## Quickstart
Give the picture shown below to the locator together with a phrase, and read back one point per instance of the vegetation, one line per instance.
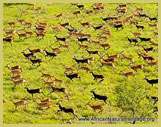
(129, 97)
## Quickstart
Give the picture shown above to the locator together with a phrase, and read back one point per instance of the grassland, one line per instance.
(118, 88)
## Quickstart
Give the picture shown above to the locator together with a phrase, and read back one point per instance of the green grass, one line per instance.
(118, 88)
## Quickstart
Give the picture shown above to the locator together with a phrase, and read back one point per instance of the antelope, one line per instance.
(86, 68)
(127, 58)
(72, 69)
(45, 75)
(17, 67)
(139, 9)
(21, 35)
(57, 28)
(44, 104)
(95, 42)
(155, 33)
(113, 56)
(31, 4)
(21, 20)
(89, 11)
(4, 101)
(58, 80)
(103, 37)
(105, 45)
(136, 67)
(142, 54)
(152, 81)
(29, 32)
(34, 91)
(50, 54)
(66, 110)
(136, 33)
(18, 82)
(97, 27)
(40, 34)
(72, 76)
(81, 60)
(152, 63)
(35, 50)
(55, 49)
(64, 46)
(117, 26)
(152, 25)
(17, 77)
(15, 72)
(148, 49)
(39, 61)
(83, 46)
(42, 23)
(107, 64)
(48, 82)
(106, 32)
(85, 24)
(96, 76)
(76, 12)
(89, 58)
(99, 97)
(10, 32)
(95, 107)
(64, 24)
(29, 55)
(127, 74)
(11, 23)
(58, 89)
(154, 43)
(59, 15)
(93, 52)
(19, 103)
(28, 23)
(81, 6)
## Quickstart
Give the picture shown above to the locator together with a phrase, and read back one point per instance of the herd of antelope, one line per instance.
(100, 56)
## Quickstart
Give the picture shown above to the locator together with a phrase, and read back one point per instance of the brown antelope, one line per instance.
(40, 34)
(10, 32)
(17, 77)
(21, 35)
(45, 75)
(107, 64)
(139, 9)
(21, 20)
(113, 56)
(96, 107)
(18, 82)
(127, 74)
(136, 33)
(72, 69)
(85, 24)
(107, 45)
(83, 45)
(17, 67)
(58, 80)
(64, 46)
(152, 63)
(57, 28)
(154, 43)
(13, 72)
(28, 23)
(48, 82)
(59, 15)
(35, 50)
(142, 54)
(31, 4)
(109, 60)
(127, 58)
(44, 104)
(106, 32)
(89, 58)
(12, 23)
(46, 100)
(55, 49)
(152, 25)
(89, 11)
(124, 10)
(58, 89)
(4, 100)
(136, 67)
(19, 103)
(86, 35)
(29, 32)
(76, 12)
(95, 41)
(103, 37)
(86, 68)
(155, 33)
(118, 22)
